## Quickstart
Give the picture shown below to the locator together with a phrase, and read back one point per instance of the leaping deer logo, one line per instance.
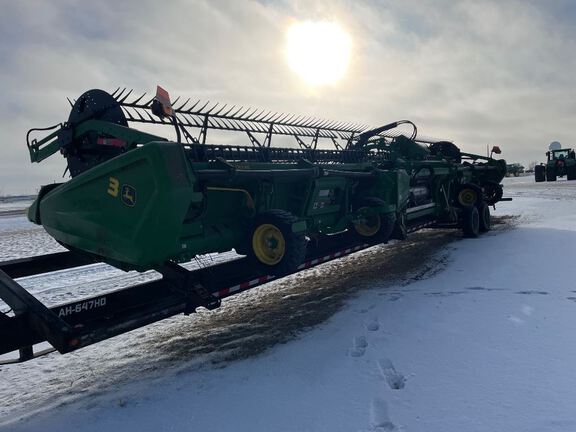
(128, 195)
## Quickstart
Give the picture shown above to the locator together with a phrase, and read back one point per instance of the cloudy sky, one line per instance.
(490, 72)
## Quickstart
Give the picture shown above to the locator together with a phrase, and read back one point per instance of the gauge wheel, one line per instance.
(273, 247)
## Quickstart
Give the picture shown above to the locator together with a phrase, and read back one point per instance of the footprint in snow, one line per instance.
(379, 417)
(373, 325)
(395, 379)
(359, 345)
(532, 292)
(480, 288)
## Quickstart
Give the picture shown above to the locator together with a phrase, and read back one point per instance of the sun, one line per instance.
(318, 51)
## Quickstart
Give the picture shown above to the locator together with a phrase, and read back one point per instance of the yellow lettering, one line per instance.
(113, 187)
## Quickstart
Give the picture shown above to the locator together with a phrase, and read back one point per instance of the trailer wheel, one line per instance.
(467, 197)
(550, 175)
(571, 172)
(539, 173)
(274, 248)
(372, 224)
(485, 219)
(471, 222)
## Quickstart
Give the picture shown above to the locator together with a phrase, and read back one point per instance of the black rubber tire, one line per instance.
(295, 243)
(485, 218)
(386, 222)
(447, 149)
(539, 173)
(492, 192)
(550, 176)
(571, 172)
(470, 222)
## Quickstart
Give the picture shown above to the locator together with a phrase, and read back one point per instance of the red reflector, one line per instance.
(115, 142)
(163, 97)
(74, 343)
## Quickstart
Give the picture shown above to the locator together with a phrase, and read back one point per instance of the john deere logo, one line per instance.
(128, 195)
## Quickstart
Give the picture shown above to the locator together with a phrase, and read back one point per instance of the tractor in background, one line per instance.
(560, 162)
(514, 169)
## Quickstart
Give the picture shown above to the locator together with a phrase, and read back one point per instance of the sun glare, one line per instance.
(319, 52)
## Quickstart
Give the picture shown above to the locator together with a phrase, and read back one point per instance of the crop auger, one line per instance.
(139, 201)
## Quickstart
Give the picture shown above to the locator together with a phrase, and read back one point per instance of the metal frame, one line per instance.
(206, 115)
(87, 321)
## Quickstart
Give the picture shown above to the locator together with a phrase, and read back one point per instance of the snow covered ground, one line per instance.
(478, 336)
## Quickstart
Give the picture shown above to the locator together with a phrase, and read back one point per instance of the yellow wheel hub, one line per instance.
(467, 197)
(268, 244)
(368, 223)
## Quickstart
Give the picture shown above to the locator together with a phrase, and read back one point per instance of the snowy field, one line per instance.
(437, 334)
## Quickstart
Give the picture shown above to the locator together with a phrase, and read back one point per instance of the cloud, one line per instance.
(478, 73)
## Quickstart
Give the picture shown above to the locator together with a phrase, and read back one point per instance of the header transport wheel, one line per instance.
(274, 247)
(467, 197)
(370, 223)
(485, 219)
(471, 222)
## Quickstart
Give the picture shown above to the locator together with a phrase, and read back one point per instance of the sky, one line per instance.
(477, 73)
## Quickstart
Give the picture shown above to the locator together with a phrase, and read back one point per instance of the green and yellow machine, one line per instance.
(560, 162)
(142, 201)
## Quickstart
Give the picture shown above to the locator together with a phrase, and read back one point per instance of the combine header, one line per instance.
(141, 202)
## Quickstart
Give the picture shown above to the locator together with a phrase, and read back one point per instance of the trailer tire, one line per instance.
(379, 226)
(471, 222)
(539, 173)
(273, 247)
(485, 218)
(571, 172)
(550, 176)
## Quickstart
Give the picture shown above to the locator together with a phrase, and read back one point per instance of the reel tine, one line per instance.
(282, 119)
(119, 95)
(266, 116)
(189, 110)
(152, 119)
(257, 116)
(243, 115)
(175, 101)
(220, 110)
(229, 111)
(305, 121)
(135, 102)
(125, 97)
(70, 102)
(283, 129)
(140, 115)
(275, 117)
(180, 108)
(200, 111)
(213, 108)
(319, 124)
(237, 111)
(147, 104)
(113, 94)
